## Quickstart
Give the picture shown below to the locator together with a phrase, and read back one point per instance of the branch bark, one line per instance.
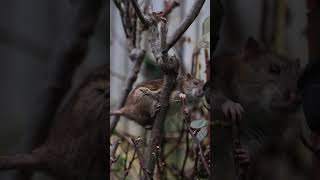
(169, 66)
(195, 10)
(142, 17)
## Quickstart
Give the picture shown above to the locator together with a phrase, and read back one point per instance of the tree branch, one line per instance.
(141, 16)
(140, 157)
(195, 10)
(195, 141)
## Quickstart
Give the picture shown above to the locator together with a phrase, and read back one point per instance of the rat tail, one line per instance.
(19, 161)
(116, 112)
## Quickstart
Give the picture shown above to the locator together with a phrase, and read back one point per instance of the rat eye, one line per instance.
(274, 69)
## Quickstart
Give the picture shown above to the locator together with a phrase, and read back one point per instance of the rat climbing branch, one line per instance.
(140, 157)
(195, 140)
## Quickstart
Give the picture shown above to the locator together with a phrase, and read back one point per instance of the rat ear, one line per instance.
(189, 76)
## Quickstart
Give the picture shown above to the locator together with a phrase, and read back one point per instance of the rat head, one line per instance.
(192, 87)
(267, 80)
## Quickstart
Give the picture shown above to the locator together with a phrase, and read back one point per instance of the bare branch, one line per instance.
(195, 141)
(140, 157)
(140, 14)
(195, 10)
(163, 33)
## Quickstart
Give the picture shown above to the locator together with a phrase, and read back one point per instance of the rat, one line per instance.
(75, 148)
(143, 101)
(257, 89)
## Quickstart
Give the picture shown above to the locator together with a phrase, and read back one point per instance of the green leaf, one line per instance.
(202, 134)
(197, 124)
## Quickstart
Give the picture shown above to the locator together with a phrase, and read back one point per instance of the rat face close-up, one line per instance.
(193, 87)
(268, 80)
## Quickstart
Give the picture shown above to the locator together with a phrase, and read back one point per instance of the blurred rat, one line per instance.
(142, 103)
(258, 86)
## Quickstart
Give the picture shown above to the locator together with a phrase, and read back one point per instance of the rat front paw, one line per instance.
(156, 108)
(232, 110)
(243, 157)
(182, 96)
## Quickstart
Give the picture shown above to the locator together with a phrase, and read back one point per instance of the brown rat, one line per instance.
(259, 87)
(256, 78)
(142, 103)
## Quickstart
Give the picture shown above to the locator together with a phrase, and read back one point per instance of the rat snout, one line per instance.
(201, 93)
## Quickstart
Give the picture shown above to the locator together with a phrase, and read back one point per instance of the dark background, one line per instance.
(28, 30)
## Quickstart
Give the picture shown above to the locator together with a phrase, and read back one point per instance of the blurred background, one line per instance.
(279, 24)
(28, 32)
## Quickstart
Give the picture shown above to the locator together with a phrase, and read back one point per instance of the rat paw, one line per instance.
(232, 110)
(182, 96)
(156, 108)
(243, 157)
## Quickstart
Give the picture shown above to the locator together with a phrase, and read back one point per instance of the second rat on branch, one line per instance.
(142, 103)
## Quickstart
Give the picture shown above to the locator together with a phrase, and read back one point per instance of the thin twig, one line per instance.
(177, 143)
(141, 16)
(195, 10)
(196, 142)
(140, 157)
(169, 66)
(127, 169)
(185, 157)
